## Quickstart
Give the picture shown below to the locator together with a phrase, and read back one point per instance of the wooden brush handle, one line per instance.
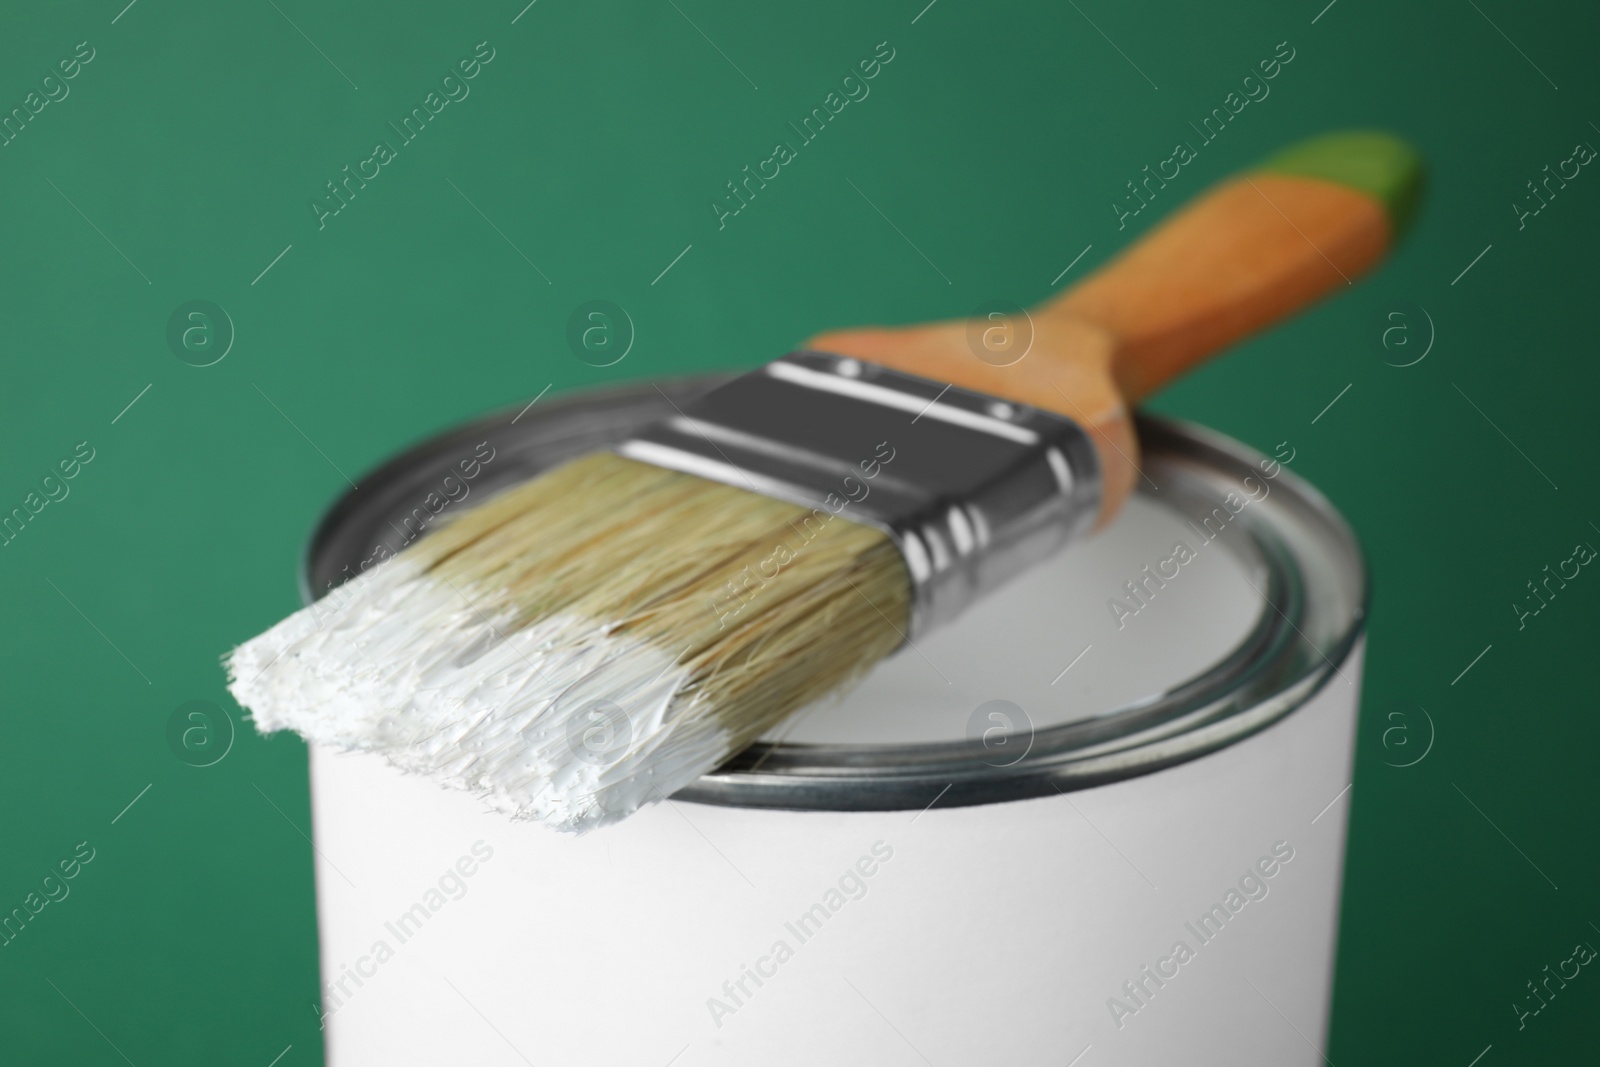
(1239, 257)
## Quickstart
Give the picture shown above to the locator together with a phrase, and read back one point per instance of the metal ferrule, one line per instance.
(972, 489)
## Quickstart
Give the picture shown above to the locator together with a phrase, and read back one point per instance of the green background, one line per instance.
(184, 159)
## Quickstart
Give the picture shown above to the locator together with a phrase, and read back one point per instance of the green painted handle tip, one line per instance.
(1376, 163)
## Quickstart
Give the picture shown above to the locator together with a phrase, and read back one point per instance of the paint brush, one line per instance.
(589, 641)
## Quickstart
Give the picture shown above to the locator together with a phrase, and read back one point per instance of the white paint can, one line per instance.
(1100, 820)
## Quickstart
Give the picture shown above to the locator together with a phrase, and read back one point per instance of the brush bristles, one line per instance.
(585, 643)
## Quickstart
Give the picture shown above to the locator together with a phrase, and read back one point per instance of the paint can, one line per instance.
(1098, 820)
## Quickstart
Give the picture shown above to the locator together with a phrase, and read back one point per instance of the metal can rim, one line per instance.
(1314, 572)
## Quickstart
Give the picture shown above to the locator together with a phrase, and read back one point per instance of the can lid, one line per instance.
(1113, 622)
(1229, 593)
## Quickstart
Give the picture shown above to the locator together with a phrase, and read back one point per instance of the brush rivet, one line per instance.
(1001, 410)
(848, 368)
